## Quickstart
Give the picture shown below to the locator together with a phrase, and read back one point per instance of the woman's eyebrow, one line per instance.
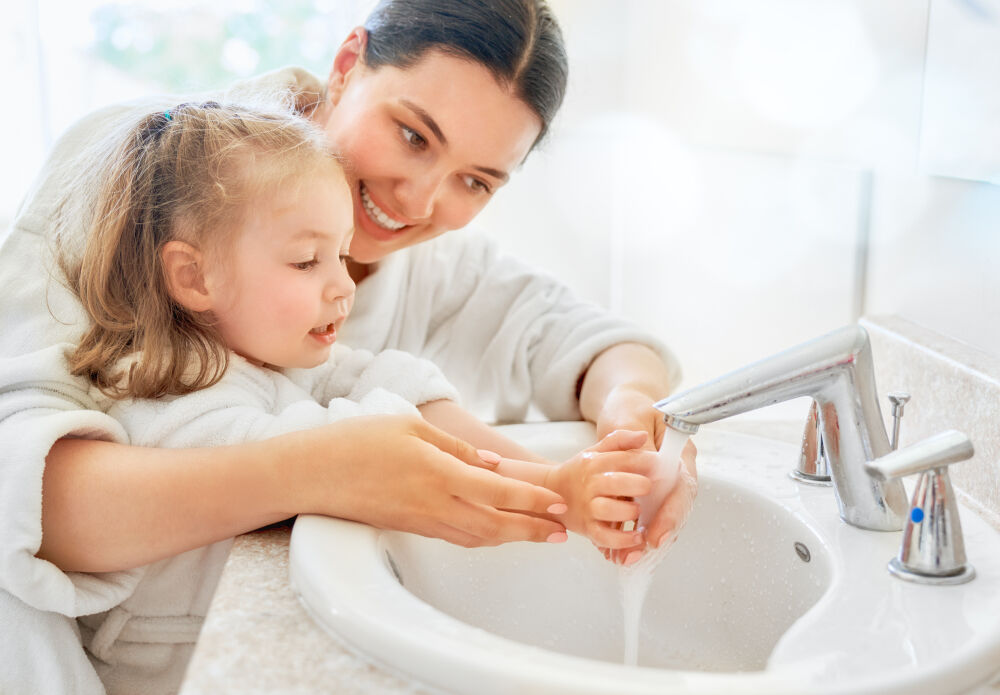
(426, 118)
(432, 125)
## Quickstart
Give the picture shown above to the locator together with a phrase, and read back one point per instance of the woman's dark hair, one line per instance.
(518, 41)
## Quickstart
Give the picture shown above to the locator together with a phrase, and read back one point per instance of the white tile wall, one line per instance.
(935, 256)
(720, 206)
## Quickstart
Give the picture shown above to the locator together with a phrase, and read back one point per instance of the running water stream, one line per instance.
(635, 579)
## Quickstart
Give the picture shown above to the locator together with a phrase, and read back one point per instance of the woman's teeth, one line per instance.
(322, 329)
(376, 214)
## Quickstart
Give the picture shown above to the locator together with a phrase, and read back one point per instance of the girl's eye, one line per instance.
(477, 185)
(305, 265)
(413, 138)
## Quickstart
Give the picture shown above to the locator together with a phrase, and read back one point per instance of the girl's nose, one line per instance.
(340, 289)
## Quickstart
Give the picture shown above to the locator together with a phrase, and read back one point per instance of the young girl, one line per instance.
(215, 282)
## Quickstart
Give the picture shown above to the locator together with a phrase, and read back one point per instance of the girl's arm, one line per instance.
(107, 507)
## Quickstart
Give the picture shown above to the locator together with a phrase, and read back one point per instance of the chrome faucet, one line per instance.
(836, 370)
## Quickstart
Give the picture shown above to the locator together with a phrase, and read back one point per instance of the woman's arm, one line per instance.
(619, 388)
(107, 507)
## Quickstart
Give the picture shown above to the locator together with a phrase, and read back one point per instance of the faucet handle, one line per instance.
(933, 549)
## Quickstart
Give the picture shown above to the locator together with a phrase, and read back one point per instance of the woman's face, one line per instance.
(429, 145)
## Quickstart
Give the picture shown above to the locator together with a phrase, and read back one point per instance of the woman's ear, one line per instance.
(348, 57)
(184, 273)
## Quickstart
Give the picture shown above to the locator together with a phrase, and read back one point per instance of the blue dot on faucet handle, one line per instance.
(916, 515)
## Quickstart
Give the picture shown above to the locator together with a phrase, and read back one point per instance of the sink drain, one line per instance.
(803, 552)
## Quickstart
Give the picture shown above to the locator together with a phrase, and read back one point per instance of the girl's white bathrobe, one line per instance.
(142, 638)
(504, 334)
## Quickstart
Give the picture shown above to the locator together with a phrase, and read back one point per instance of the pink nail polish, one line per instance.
(557, 537)
(557, 508)
(633, 557)
(488, 456)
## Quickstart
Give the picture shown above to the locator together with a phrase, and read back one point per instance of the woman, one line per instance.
(432, 124)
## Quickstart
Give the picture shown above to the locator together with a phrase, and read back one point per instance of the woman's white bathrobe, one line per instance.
(504, 334)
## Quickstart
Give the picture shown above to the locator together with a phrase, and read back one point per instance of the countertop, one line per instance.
(258, 638)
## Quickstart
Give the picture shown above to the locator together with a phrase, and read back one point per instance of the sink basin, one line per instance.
(766, 590)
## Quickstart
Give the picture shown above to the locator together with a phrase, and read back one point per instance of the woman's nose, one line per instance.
(418, 195)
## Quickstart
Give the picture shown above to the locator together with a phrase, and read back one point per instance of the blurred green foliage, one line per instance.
(209, 45)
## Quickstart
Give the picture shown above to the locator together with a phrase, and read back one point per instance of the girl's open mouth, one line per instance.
(325, 334)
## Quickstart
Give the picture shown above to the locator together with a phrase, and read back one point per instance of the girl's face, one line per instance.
(429, 145)
(283, 290)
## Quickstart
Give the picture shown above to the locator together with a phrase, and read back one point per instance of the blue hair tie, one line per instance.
(166, 114)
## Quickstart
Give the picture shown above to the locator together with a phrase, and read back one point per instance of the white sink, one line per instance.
(733, 607)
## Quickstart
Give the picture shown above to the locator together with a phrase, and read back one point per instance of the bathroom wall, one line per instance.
(741, 175)
(736, 175)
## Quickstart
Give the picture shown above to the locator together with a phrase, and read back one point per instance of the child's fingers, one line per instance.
(603, 536)
(621, 440)
(611, 510)
(638, 461)
(618, 484)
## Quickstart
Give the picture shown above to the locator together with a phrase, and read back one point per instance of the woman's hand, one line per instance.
(674, 512)
(400, 472)
(672, 515)
(627, 407)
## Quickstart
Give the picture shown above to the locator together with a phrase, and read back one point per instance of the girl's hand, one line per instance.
(598, 484)
(400, 472)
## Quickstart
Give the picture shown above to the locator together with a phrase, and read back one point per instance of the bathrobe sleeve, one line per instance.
(353, 374)
(252, 403)
(38, 406)
(505, 334)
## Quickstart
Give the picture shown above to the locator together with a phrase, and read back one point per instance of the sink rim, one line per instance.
(489, 656)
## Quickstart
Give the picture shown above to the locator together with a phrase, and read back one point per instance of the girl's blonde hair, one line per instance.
(189, 173)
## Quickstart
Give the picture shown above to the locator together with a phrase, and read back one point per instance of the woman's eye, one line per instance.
(477, 185)
(305, 265)
(413, 138)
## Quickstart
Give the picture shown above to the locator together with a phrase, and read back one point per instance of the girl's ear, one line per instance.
(347, 58)
(184, 272)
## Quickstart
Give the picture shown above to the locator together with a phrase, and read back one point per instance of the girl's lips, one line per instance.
(327, 336)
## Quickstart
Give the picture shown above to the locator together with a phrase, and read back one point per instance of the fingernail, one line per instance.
(557, 537)
(558, 508)
(488, 456)
(632, 558)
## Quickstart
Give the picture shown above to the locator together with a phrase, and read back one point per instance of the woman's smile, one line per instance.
(382, 225)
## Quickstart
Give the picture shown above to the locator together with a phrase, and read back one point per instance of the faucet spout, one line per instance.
(837, 371)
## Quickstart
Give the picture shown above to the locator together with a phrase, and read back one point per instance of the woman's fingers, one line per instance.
(500, 492)
(490, 526)
(677, 506)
